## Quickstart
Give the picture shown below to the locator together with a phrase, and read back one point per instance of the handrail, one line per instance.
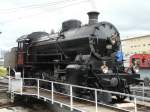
(100, 90)
(72, 86)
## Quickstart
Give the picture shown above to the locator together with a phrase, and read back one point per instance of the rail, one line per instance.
(37, 84)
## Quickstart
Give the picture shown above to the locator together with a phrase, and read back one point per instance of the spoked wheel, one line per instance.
(104, 97)
(101, 96)
(121, 98)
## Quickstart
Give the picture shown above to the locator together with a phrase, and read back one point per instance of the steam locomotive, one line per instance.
(85, 55)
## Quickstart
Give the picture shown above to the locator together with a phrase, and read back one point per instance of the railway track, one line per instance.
(127, 107)
(130, 106)
(143, 106)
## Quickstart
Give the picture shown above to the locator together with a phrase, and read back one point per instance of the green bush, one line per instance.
(3, 71)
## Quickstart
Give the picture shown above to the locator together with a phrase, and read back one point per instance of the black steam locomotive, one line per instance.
(81, 55)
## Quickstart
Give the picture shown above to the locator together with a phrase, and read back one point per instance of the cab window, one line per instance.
(20, 45)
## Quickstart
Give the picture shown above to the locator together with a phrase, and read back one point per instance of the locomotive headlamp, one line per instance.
(104, 67)
(113, 39)
(135, 67)
(105, 70)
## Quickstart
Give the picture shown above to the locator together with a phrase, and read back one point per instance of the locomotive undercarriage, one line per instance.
(75, 75)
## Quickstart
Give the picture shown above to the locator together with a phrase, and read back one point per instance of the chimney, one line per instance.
(93, 17)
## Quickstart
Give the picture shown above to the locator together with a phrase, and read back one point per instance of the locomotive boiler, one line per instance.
(85, 55)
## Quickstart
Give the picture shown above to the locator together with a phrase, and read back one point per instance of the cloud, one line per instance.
(130, 16)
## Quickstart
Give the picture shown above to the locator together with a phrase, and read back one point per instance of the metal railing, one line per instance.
(141, 90)
(70, 93)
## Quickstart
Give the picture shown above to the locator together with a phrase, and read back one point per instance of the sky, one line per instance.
(20, 17)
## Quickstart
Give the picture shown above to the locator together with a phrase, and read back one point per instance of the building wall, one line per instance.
(136, 45)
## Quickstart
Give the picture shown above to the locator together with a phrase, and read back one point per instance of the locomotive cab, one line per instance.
(20, 54)
(22, 50)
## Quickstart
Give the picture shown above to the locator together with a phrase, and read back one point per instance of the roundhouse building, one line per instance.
(135, 45)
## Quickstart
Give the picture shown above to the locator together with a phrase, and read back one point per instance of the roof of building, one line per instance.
(130, 38)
